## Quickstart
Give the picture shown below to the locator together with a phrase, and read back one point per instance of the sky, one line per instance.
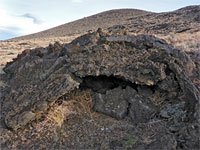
(22, 17)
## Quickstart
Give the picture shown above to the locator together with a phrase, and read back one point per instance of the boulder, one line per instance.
(112, 103)
(111, 65)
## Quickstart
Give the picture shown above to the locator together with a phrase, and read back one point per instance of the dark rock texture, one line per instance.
(141, 77)
(179, 21)
(112, 103)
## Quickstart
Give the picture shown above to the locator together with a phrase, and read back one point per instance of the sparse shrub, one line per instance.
(131, 141)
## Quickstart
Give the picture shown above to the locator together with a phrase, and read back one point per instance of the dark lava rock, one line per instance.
(140, 112)
(188, 136)
(174, 111)
(181, 20)
(111, 65)
(112, 103)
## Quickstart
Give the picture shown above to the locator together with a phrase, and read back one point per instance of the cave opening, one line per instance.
(120, 98)
(101, 84)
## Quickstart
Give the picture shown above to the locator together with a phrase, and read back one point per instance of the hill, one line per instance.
(136, 21)
(102, 20)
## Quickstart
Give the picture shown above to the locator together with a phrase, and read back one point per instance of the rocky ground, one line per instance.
(108, 89)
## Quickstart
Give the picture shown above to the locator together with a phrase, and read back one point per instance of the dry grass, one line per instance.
(82, 103)
(59, 111)
(76, 103)
(184, 41)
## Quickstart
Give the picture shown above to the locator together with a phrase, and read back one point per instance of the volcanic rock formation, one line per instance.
(141, 77)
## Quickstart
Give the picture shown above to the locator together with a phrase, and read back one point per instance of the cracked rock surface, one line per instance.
(141, 78)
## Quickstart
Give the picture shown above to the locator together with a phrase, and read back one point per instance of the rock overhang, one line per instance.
(37, 78)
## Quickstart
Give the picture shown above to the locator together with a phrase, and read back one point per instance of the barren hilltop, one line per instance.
(120, 79)
(136, 21)
(102, 20)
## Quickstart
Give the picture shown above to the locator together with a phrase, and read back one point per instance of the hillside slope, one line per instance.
(101, 20)
(179, 21)
(135, 21)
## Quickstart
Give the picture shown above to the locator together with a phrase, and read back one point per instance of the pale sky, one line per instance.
(21, 17)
